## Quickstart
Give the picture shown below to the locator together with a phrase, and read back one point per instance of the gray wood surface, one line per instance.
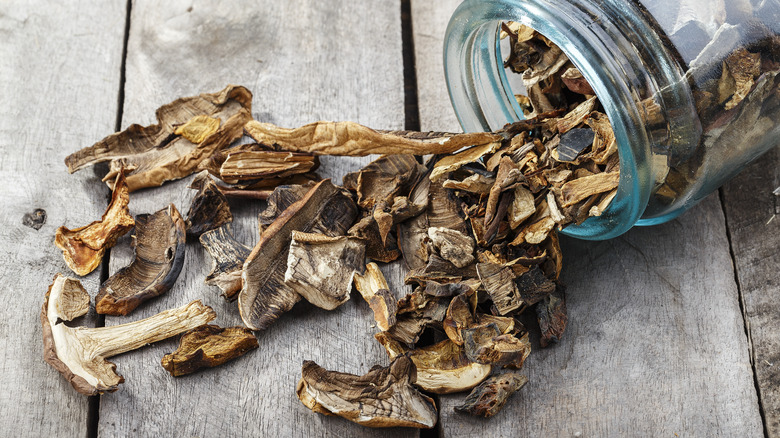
(304, 61)
(753, 215)
(655, 344)
(59, 76)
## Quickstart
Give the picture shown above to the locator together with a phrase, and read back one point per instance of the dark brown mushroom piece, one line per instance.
(83, 247)
(383, 397)
(442, 368)
(208, 346)
(385, 178)
(281, 198)
(416, 311)
(374, 289)
(552, 317)
(355, 140)
(487, 399)
(412, 233)
(209, 210)
(498, 281)
(382, 250)
(159, 256)
(320, 268)
(228, 256)
(452, 245)
(533, 286)
(80, 353)
(264, 295)
(485, 344)
(175, 146)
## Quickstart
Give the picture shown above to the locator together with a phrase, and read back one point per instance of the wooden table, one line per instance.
(674, 330)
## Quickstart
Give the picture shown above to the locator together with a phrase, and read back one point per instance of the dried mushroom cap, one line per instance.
(355, 140)
(485, 344)
(454, 246)
(154, 154)
(83, 247)
(264, 294)
(80, 353)
(209, 210)
(374, 289)
(228, 256)
(383, 397)
(487, 399)
(281, 198)
(385, 178)
(159, 257)
(208, 346)
(320, 268)
(442, 368)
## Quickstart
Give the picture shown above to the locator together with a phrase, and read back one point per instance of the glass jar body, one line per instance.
(691, 88)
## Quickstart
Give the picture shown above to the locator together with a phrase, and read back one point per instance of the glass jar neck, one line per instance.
(613, 43)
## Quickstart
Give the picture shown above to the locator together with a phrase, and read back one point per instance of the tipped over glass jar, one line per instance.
(691, 89)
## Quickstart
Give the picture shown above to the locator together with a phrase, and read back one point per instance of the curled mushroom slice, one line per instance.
(209, 209)
(576, 190)
(491, 395)
(385, 178)
(498, 281)
(442, 368)
(320, 268)
(159, 257)
(246, 165)
(460, 315)
(83, 247)
(485, 344)
(374, 289)
(383, 397)
(355, 140)
(228, 256)
(155, 153)
(264, 294)
(80, 353)
(208, 346)
(454, 246)
(281, 198)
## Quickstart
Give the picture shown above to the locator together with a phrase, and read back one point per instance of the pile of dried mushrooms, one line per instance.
(472, 216)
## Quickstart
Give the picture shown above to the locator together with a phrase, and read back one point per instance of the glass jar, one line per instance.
(691, 88)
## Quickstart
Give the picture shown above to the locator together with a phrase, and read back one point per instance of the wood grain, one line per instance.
(59, 77)
(753, 214)
(305, 61)
(655, 344)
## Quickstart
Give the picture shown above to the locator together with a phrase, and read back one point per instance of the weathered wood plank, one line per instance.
(304, 61)
(655, 344)
(59, 77)
(753, 214)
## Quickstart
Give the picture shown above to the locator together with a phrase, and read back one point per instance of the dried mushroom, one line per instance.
(264, 294)
(228, 256)
(442, 368)
(453, 246)
(383, 397)
(385, 178)
(80, 353)
(352, 139)
(499, 283)
(209, 209)
(155, 154)
(374, 289)
(282, 197)
(252, 165)
(159, 256)
(552, 317)
(491, 395)
(320, 268)
(83, 247)
(208, 346)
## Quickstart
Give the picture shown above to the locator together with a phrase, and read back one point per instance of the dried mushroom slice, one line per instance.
(485, 344)
(454, 162)
(209, 210)
(452, 245)
(228, 256)
(442, 368)
(159, 257)
(154, 154)
(552, 317)
(499, 283)
(247, 165)
(264, 295)
(80, 353)
(385, 178)
(383, 397)
(83, 247)
(487, 399)
(577, 190)
(533, 286)
(382, 250)
(460, 315)
(281, 198)
(208, 346)
(355, 140)
(374, 289)
(320, 268)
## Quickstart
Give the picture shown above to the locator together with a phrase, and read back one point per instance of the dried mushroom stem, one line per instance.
(208, 346)
(80, 353)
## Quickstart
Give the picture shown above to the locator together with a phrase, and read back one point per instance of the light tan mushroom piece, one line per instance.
(208, 346)
(442, 368)
(374, 289)
(355, 140)
(83, 247)
(383, 397)
(320, 268)
(498, 281)
(80, 353)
